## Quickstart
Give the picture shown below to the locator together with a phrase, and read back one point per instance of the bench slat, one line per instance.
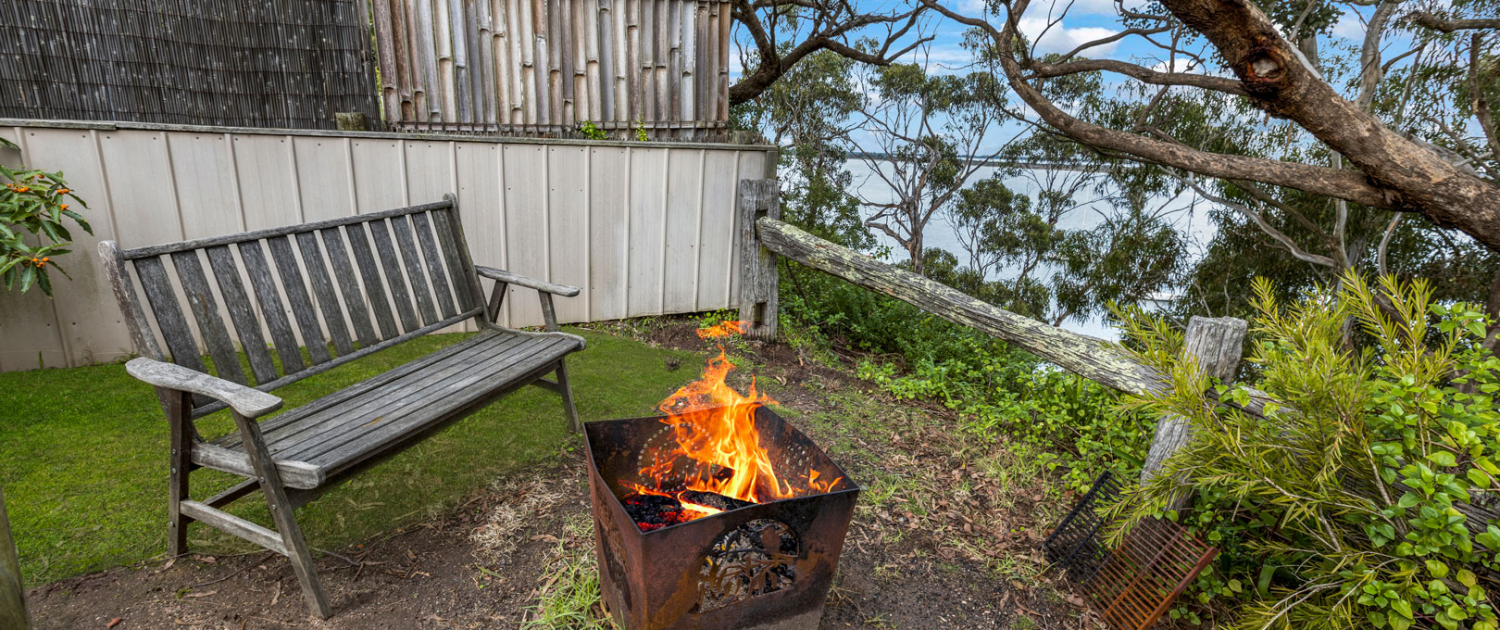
(206, 311)
(472, 378)
(328, 299)
(354, 299)
(374, 285)
(241, 312)
(396, 279)
(435, 266)
(271, 308)
(296, 295)
(455, 395)
(169, 319)
(270, 427)
(414, 275)
(449, 244)
(331, 423)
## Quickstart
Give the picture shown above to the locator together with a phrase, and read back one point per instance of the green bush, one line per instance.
(1348, 504)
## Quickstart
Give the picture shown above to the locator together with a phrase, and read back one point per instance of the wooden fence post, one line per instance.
(12, 591)
(1216, 344)
(758, 280)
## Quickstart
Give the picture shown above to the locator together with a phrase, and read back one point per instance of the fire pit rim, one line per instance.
(588, 451)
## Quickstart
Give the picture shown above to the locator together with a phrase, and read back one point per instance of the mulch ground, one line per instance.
(963, 554)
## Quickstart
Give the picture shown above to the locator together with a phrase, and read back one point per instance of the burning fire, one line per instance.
(724, 329)
(717, 449)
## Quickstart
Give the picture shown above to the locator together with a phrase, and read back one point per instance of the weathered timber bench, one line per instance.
(410, 275)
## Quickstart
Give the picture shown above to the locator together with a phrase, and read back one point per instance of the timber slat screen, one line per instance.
(285, 64)
(547, 66)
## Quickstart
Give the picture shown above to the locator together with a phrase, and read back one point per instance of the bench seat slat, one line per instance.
(206, 311)
(241, 313)
(271, 309)
(428, 391)
(275, 428)
(453, 399)
(342, 429)
(354, 413)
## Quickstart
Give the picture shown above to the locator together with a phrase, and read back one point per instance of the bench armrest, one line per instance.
(248, 402)
(517, 279)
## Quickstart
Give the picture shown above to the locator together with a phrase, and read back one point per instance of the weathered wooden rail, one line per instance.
(1213, 342)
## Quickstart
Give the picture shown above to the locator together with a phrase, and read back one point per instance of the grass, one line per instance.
(85, 452)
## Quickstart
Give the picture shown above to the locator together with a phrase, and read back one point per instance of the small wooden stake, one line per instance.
(758, 281)
(12, 593)
(1215, 343)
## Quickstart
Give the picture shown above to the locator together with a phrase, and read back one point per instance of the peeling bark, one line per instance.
(1085, 356)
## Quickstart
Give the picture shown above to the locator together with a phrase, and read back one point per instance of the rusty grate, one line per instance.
(1133, 585)
(1140, 579)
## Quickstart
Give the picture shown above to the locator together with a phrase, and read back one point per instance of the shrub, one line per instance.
(1348, 504)
(33, 204)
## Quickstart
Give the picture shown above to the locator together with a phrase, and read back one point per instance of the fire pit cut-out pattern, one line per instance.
(756, 558)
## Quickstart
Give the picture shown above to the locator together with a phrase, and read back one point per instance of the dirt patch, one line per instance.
(945, 536)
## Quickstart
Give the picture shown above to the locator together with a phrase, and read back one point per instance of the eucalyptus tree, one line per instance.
(807, 113)
(925, 137)
(1381, 149)
(776, 35)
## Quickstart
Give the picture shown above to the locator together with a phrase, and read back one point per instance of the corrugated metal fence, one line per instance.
(287, 63)
(546, 66)
(643, 228)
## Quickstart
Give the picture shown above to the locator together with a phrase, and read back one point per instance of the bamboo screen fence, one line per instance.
(547, 66)
(282, 63)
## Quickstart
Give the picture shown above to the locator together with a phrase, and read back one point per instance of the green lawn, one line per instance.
(83, 455)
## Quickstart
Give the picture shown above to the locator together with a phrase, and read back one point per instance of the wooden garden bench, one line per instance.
(410, 275)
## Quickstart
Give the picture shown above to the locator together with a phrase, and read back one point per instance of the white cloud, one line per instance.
(1349, 26)
(1060, 39)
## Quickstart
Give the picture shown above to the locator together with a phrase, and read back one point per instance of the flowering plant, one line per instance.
(33, 204)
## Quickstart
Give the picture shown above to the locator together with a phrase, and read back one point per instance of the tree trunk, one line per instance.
(1215, 344)
(12, 593)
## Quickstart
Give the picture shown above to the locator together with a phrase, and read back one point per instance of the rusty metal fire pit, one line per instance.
(761, 566)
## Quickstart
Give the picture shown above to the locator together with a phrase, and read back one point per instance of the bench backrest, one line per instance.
(342, 289)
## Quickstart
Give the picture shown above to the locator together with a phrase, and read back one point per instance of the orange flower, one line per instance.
(63, 207)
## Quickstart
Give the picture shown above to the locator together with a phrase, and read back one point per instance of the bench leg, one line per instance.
(284, 516)
(179, 405)
(566, 389)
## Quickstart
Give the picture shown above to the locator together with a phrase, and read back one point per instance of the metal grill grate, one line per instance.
(1133, 585)
(1074, 545)
(1141, 579)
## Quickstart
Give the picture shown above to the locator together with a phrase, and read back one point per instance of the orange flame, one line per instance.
(714, 429)
(724, 329)
(715, 446)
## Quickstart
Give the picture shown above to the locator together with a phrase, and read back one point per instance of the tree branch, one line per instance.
(1436, 23)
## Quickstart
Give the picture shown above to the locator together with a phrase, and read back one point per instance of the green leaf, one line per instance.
(1442, 458)
(1465, 577)
(1437, 569)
